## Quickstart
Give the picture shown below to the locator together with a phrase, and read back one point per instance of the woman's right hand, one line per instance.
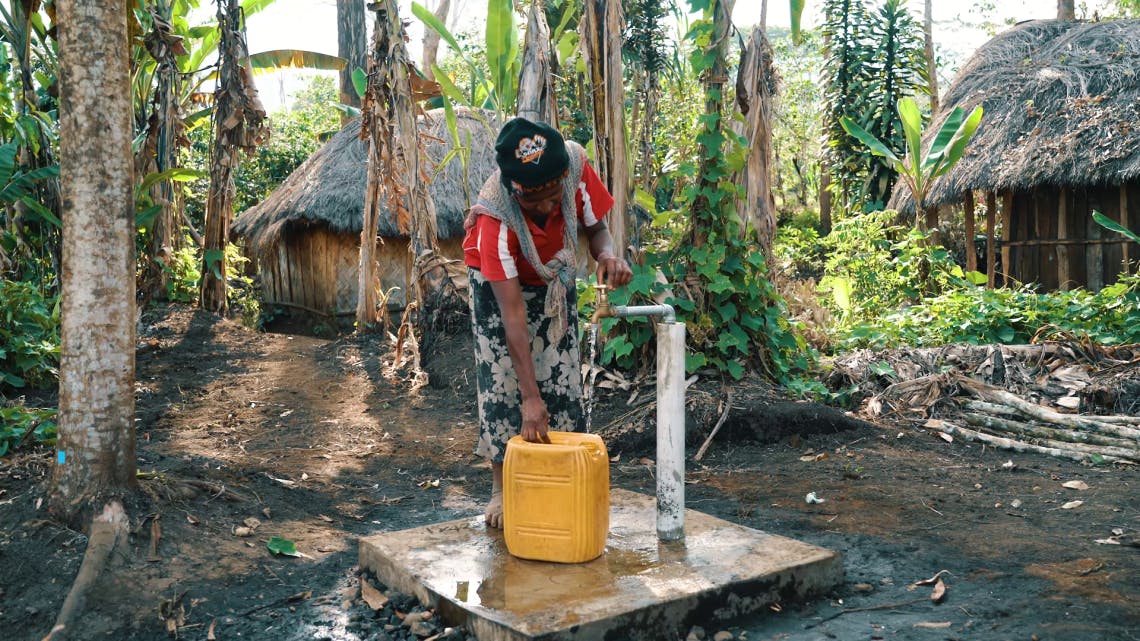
(536, 421)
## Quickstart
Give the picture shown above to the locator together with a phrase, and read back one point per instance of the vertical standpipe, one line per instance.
(670, 431)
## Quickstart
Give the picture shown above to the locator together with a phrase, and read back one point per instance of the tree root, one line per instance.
(108, 531)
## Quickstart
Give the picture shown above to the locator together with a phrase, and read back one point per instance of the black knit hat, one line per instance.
(530, 154)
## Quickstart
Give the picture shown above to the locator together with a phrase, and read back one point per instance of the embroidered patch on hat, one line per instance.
(531, 149)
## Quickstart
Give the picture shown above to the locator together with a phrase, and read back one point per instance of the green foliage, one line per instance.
(735, 318)
(487, 77)
(295, 134)
(29, 337)
(184, 281)
(183, 274)
(968, 314)
(919, 170)
(873, 60)
(19, 425)
(796, 122)
(874, 264)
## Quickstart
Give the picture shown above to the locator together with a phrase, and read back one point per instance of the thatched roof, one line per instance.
(328, 188)
(1062, 108)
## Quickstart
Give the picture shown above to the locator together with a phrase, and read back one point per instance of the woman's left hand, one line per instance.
(613, 271)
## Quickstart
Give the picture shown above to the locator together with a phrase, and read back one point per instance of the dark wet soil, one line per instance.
(321, 443)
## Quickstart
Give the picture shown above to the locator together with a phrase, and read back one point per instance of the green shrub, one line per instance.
(969, 314)
(29, 337)
(19, 425)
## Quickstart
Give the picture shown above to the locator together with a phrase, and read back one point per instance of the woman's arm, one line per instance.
(535, 417)
(612, 269)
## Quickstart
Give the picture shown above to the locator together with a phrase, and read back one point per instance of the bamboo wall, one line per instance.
(316, 270)
(1053, 240)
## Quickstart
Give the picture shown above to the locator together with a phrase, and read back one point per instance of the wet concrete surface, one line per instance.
(639, 589)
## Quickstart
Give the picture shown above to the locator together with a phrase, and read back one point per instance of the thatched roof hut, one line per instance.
(305, 237)
(1060, 137)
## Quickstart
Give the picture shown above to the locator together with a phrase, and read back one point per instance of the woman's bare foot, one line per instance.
(494, 512)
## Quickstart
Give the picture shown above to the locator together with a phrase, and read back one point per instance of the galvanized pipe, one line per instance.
(670, 431)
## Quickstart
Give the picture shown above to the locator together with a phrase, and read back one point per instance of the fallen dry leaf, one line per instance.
(192, 520)
(807, 458)
(210, 632)
(1075, 485)
(932, 624)
(324, 518)
(946, 437)
(241, 530)
(934, 422)
(1069, 402)
(373, 597)
(251, 523)
(1072, 504)
(939, 591)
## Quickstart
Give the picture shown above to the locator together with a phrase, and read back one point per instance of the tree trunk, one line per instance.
(160, 153)
(351, 44)
(824, 198)
(536, 101)
(397, 167)
(758, 209)
(602, 24)
(96, 447)
(431, 40)
(238, 125)
(931, 64)
(1066, 10)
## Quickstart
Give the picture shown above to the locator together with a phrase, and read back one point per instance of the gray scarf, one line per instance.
(495, 200)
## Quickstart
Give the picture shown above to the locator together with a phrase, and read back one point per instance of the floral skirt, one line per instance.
(556, 366)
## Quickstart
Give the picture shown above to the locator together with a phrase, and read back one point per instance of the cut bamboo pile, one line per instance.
(1021, 398)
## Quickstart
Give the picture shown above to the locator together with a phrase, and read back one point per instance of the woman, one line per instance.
(519, 249)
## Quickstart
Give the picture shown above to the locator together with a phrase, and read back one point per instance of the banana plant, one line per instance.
(497, 90)
(919, 170)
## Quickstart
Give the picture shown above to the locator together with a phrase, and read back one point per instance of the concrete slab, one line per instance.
(638, 589)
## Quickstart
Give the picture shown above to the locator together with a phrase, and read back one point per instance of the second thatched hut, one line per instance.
(305, 237)
(1060, 138)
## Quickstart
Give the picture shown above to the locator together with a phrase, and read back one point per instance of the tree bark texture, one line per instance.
(431, 40)
(536, 101)
(602, 25)
(398, 170)
(352, 45)
(931, 63)
(96, 457)
(1066, 10)
(238, 126)
(753, 96)
(160, 151)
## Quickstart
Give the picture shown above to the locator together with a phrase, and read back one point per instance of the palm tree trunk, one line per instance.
(536, 101)
(1066, 10)
(397, 166)
(758, 208)
(351, 20)
(238, 125)
(601, 27)
(931, 64)
(96, 458)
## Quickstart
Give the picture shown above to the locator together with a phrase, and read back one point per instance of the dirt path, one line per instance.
(311, 439)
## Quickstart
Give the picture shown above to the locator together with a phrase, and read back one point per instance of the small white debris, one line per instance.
(1009, 465)
(1015, 503)
(812, 498)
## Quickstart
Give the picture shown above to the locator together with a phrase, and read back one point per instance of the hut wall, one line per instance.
(314, 271)
(1037, 251)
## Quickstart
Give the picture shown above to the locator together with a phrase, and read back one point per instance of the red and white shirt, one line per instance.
(493, 249)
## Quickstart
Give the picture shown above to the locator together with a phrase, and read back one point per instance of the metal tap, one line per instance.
(602, 307)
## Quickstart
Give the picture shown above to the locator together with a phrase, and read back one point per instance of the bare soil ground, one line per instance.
(309, 437)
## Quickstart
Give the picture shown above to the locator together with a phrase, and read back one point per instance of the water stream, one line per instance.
(588, 379)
